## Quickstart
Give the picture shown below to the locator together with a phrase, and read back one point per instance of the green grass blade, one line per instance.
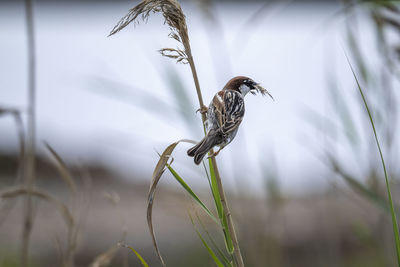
(210, 251)
(394, 219)
(212, 254)
(221, 254)
(226, 242)
(215, 192)
(191, 193)
(144, 263)
(218, 205)
(206, 171)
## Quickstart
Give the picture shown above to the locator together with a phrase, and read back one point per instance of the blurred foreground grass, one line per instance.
(332, 228)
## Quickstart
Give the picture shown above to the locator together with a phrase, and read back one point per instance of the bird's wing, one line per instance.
(218, 108)
(233, 111)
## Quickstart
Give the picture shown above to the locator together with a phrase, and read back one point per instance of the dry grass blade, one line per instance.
(177, 54)
(65, 212)
(158, 172)
(105, 258)
(62, 169)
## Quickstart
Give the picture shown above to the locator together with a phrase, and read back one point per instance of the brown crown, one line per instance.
(234, 83)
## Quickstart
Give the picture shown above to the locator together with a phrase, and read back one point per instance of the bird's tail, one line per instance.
(202, 147)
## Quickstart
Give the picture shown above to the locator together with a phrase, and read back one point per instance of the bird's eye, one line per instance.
(250, 83)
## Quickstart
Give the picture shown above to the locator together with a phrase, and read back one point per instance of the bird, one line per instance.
(224, 115)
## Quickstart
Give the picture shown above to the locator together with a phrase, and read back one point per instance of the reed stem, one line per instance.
(238, 260)
(231, 228)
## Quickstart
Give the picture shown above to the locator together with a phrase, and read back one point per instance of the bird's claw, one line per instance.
(202, 110)
(214, 154)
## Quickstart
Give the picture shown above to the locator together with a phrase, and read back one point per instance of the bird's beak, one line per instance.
(258, 88)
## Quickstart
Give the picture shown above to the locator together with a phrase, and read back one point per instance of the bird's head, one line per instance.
(244, 84)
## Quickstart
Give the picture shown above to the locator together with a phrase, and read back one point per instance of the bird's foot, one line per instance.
(214, 154)
(202, 110)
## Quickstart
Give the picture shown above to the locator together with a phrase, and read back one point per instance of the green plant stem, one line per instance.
(30, 159)
(236, 249)
(231, 228)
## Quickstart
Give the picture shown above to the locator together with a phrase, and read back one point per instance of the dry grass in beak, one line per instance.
(262, 91)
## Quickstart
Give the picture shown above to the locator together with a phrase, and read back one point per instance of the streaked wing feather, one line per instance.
(219, 107)
(233, 111)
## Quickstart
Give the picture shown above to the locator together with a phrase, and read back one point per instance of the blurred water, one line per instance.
(288, 48)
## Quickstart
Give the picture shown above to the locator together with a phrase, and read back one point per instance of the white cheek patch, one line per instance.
(244, 89)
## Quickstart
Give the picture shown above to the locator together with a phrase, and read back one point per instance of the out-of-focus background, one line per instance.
(303, 175)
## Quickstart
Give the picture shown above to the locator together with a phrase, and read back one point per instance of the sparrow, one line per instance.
(224, 115)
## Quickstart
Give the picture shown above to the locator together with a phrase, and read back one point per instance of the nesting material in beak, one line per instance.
(258, 88)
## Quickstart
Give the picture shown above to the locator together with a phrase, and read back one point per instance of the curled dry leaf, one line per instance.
(158, 172)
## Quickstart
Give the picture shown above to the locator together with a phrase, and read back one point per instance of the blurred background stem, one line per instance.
(30, 159)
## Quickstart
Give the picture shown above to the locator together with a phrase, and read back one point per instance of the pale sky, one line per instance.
(90, 86)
